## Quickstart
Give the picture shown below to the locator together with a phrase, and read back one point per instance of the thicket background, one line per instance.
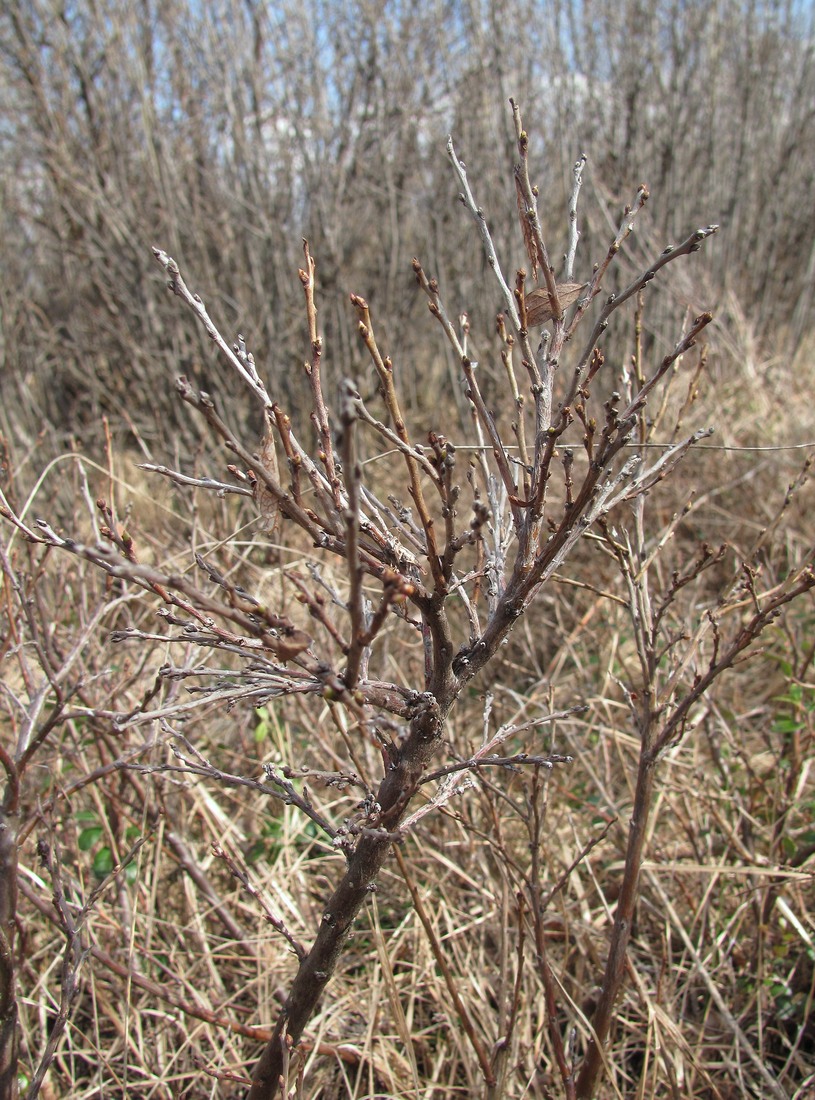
(226, 133)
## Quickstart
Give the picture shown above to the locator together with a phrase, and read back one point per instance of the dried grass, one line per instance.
(184, 973)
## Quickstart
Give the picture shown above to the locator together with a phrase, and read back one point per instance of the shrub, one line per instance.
(424, 569)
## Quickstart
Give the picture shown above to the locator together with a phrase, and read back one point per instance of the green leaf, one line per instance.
(262, 729)
(90, 837)
(103, 862)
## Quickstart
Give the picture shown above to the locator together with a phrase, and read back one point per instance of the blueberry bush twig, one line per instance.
(41, 686)
(447, 559)
(76, 952)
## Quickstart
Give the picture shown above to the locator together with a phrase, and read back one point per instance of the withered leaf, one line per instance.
(267, 503)
(288, 643)
(538, 306)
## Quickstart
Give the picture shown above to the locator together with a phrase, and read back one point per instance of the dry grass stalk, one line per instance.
(349, 673)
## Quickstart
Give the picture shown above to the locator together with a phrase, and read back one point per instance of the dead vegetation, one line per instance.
(509, 728)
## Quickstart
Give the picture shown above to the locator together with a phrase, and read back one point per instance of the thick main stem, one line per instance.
(8, 917)
(394, 796)
(621, 934)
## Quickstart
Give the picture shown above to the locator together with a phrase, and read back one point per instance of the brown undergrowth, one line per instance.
(174, 860)
(169, 985)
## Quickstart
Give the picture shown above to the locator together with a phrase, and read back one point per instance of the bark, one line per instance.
(592, 1065)
(8, 920)
(394, 796)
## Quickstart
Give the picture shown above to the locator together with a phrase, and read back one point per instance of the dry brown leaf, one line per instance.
(267, 503)
(288, 643)
(538, 307)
